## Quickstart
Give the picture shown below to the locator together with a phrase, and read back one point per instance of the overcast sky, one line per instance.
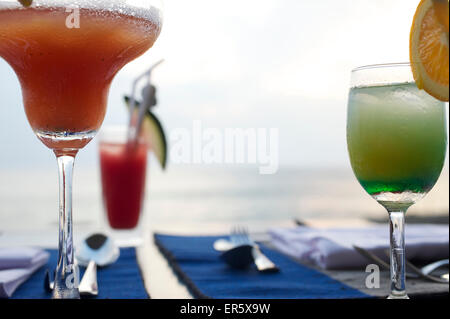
(248, 64)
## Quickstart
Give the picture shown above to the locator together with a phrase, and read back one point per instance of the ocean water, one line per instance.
(194, 198)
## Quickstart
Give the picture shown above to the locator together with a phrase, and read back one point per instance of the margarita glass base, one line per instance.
(65, 293)
(399, 296)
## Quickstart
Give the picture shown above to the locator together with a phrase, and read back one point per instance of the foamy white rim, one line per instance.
(128, 7)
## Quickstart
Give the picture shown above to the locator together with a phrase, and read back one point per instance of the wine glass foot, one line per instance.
(65, 294)
(402, 295)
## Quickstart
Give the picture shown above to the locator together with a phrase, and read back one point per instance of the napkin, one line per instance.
(17, 265)
(331, 248)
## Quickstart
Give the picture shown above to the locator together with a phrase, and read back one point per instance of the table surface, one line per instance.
(162, 283)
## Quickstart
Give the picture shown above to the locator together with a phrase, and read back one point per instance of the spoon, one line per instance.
(411, 271)
(428, 269)
(237, 256)
(223, 245)
(97, 249)
(243, 254)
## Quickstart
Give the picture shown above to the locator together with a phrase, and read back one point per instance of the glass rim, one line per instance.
(116, 134)
(381, 74)
(148, 9)
(381, 65)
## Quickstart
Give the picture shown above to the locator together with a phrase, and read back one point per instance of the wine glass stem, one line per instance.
(66, 276)
(397, 236)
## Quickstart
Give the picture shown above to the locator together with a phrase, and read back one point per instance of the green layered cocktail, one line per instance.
(397, 139)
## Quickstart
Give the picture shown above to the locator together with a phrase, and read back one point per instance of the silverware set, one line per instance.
(240, 251)
(412, 271)
(95, 250)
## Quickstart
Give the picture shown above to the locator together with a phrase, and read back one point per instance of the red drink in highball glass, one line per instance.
(65, 73)
(123, 171)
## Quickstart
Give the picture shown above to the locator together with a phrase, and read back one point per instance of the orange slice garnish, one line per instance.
(429, 48)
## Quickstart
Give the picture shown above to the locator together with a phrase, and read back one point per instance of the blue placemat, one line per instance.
(121, 280)
(198, 265)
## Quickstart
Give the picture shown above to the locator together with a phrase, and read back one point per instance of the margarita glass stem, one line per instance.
(397, 236)
(66, 276)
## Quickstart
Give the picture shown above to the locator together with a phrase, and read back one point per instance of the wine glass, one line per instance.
(397, 140)
(65, 54)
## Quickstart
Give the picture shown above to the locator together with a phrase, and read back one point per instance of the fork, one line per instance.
(240, 236)
(413, 272)
(422, 274)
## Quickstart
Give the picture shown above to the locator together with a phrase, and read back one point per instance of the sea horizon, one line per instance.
(187, 196)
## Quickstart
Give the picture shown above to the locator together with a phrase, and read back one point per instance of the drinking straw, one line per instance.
(135, 124)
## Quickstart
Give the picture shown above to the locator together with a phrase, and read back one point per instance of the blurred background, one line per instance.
(231, 64)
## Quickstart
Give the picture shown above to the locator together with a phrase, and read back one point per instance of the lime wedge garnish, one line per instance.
(153, 133)
(26, 3)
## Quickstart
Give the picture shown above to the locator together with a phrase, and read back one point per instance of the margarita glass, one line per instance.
(397, 139)
(65, 54)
